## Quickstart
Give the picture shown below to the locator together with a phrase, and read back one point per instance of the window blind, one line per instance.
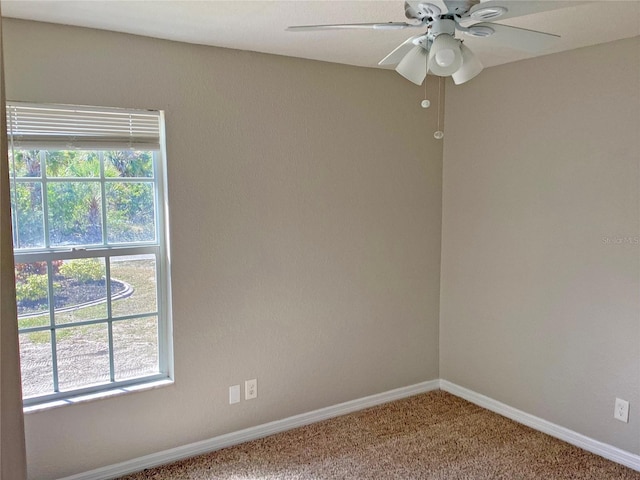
(71, 127)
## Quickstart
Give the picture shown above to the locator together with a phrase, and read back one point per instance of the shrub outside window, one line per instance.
(91, 271)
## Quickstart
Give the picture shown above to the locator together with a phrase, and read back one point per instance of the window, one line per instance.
(92, 283)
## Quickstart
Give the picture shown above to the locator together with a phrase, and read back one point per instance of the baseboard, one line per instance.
(234, 438)
(253, 433)
(604, 450)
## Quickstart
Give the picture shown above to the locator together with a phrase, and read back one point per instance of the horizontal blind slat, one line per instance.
(62, 126)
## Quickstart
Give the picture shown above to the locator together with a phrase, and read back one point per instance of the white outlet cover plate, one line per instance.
(621, 411)
(250, 389)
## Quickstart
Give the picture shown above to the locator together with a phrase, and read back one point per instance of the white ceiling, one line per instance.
(260, 25)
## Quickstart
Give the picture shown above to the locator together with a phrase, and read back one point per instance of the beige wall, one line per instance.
(540, 168)
(305, 203)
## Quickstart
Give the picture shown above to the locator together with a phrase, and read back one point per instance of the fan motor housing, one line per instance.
(443, 26)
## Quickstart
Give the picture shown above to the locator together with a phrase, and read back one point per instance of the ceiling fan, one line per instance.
(437, 50)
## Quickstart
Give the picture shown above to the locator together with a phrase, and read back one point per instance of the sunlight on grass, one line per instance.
(141, 275)
(30, 322)
(94, 312)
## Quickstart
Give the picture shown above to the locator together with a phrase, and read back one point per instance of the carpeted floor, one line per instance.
(431, 436)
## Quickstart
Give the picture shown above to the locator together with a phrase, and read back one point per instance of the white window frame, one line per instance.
(100, 141)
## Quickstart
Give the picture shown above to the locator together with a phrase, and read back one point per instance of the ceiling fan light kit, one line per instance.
(442, 20)
(437, 50)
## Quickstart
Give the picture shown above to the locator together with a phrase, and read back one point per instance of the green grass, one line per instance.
(39, 321)
(140, 274)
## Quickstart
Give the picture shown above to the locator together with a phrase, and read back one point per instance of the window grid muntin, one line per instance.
(107, 272)
(106, 251)
(62, 326)
(52, 325)
(104, 210)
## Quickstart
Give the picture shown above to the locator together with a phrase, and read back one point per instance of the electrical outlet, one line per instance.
(621, 411)
(234, 394)
(250, 389)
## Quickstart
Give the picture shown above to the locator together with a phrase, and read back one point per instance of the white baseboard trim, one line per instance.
(252, 433)
(604, 450)
(234, 438)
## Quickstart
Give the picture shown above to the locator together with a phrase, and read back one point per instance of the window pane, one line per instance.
(130, 212)
(80, 290)
(128, 164)
(133, 285)
(72, 163)
(135, 345)
(26, 199)
(27, 163)
(32, 294)
(75, 213)
(83, 356)
(36, 364)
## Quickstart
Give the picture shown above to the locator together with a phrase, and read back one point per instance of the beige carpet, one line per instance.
(431, 436)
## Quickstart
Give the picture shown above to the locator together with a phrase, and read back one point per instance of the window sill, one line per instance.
(42, 407)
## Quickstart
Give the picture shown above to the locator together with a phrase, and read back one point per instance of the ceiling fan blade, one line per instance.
(413, 66)
(399, 52)
(518, 38)
(347, 26)
(481, 12)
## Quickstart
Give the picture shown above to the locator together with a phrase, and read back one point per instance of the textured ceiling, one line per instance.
(260, 25)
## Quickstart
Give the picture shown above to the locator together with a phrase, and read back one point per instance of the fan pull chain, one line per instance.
(439, 134)
(426, 103)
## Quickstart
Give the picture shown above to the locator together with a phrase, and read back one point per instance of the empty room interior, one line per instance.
(324, 242)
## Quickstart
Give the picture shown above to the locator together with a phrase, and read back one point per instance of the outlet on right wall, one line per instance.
(540, 282)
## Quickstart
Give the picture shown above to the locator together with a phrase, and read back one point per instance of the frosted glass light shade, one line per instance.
(413, 66)
(471, 66)
(445, 56)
